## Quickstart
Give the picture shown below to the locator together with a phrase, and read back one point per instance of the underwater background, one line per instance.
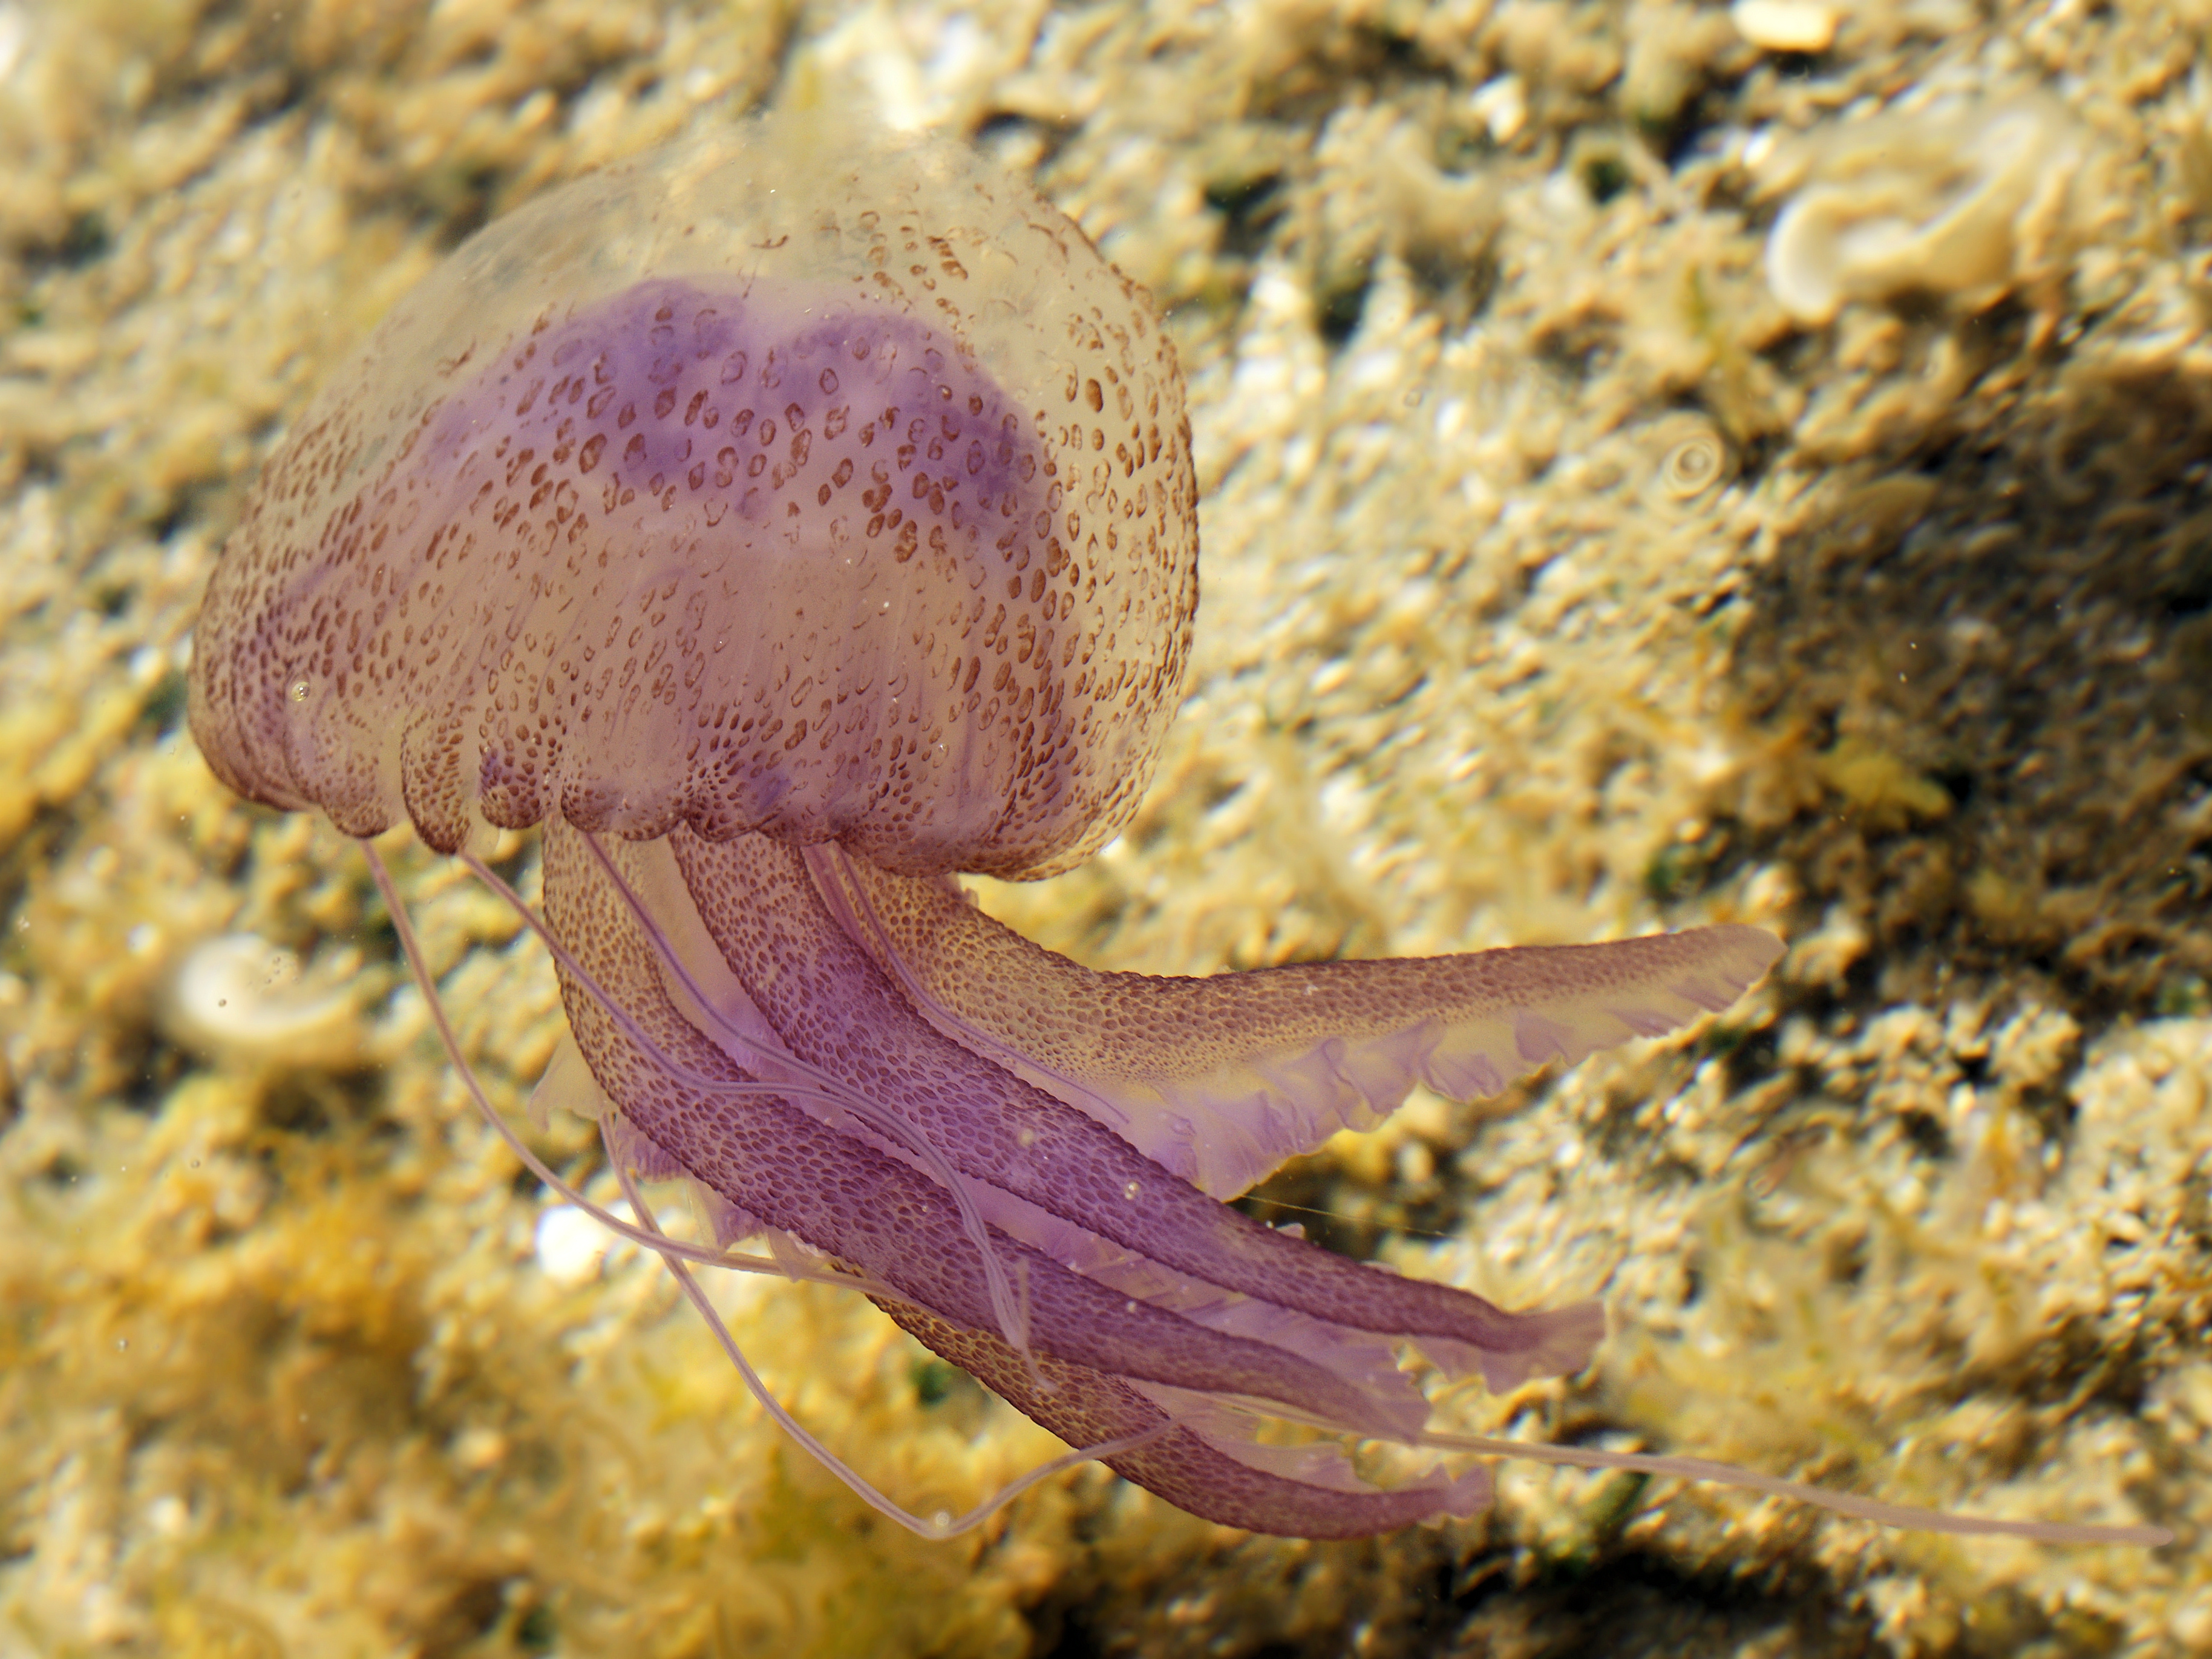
(1662, 463)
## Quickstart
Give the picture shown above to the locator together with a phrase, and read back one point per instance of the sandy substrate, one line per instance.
(1662, 463)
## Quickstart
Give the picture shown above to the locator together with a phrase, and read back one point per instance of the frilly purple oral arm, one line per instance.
(857, 1203)
(832, 1006)
(1222, 1079)
(1201, 1473)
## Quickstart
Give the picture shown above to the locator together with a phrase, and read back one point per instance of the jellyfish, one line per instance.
(782, 523)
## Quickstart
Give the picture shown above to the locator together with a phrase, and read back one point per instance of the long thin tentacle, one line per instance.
(1910, 1517)
(939, 1525)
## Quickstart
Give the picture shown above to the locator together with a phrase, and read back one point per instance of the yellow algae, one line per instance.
(1878, 786)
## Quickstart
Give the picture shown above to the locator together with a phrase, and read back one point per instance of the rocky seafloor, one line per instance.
(1662, 463)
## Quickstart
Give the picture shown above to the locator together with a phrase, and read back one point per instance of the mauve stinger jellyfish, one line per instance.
(782, 523)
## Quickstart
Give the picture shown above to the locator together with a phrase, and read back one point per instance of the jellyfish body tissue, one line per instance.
(785, 523)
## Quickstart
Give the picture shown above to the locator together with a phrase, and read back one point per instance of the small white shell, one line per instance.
(239, 998)
(1685, 462)
(1805, 26)
(570, 1245)
(1957, 203)
(1697, 460)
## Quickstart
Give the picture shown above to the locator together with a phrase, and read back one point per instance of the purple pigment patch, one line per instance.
(739, 402)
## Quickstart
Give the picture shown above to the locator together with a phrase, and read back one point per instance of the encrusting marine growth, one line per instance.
(784, 523)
